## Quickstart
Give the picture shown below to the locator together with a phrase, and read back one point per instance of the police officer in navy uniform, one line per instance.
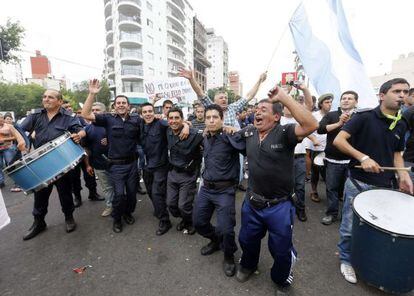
(372, 138)
(155, 145)
(268, 204)
(123, 133)
(185, 159)
(48, 123)
(220, 178)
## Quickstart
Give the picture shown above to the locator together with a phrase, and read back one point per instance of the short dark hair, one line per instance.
(7, 114)
(215, 107)
(122, 96)
(147, 104)
(411, 92)
(167, 102)
(176, 109)
(350, 92)
(277, 107)
(386, 86)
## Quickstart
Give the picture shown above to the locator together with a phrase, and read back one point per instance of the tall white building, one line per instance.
(146, 40)
(217, 55)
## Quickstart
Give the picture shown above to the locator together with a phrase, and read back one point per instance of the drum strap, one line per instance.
(357, 186)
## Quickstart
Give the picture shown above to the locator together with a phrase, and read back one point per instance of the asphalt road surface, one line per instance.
(137, 262)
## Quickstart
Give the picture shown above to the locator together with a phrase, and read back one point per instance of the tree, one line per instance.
(20, 98)
(12, 34)
(81, 91)
(230, 94)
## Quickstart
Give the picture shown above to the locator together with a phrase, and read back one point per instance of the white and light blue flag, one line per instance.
(327, 52)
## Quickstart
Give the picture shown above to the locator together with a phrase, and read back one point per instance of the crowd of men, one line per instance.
(277, 137)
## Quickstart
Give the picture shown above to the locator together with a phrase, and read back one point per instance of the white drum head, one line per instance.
(318, 160)
(389, 210)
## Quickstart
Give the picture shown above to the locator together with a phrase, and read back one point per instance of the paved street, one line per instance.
(137, 262)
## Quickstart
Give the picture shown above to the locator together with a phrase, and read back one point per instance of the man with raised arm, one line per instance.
(122, 131)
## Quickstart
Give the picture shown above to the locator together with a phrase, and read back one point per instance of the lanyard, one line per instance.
(394, 119)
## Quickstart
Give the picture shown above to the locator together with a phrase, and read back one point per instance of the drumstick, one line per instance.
(408, 169)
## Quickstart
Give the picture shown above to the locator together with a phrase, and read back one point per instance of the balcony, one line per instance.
(111, 73)
(109, 37)
(130, 38)
(177, 5)
(176, 45)
(175, 31)
(111, 62)
(134, 58)
(108, 23)
(108, 8)
(129, 22)
(111, 83)
(126, 6)
(177, 58)
(173, 18)
(132, 72)
(173, 68)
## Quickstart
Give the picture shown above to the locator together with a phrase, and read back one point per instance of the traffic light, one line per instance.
(4, 50)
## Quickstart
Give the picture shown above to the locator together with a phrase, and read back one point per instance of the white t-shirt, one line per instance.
(300, 147)
(321, 138)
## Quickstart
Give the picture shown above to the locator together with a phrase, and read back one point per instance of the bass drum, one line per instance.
(46, 164)
(383, 239)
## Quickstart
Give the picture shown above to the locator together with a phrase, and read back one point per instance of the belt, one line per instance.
(218, 185)
(260, 202)
(126, 160)
(299, 156)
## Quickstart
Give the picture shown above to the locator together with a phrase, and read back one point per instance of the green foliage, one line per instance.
(13, 34)
(230, 94)
(22, 98)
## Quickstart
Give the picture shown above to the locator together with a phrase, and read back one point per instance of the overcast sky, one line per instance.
(74, 30)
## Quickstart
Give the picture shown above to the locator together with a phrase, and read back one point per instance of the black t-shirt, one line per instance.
(370, 134)
(271, 161)
(409, 145)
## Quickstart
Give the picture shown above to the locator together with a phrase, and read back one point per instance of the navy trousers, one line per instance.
(278, 220)
(156, 183)
(125, 181)
(223, 202)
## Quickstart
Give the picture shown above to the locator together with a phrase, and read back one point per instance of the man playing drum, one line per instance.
(372, 138)
(48, 123)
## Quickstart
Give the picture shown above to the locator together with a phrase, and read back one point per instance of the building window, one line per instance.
(132, 86)
(151, 71)
(151, 40)
(149, 6)
(149, 23)
(151, 56)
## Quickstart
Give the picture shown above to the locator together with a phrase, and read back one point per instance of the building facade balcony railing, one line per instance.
(133, 19)
(138, 2)
(175, 43)
(137, 72)
(176, 15)
(131, 37)
(136, 55)
(174, 29)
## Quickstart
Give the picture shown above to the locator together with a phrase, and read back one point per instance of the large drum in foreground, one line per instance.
(46, 164)
(383, 239)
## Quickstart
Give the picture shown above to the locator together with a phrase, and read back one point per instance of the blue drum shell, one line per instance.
(43, 170)
(382, 259)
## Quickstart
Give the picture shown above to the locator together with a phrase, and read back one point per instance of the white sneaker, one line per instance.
(349, 273)
(106, 212)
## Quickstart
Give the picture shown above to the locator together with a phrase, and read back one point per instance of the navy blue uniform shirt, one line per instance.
(186, 152)
(271, 161)
(154, 142)
(370, 134)
(221, 157)
(94, 135)
(122, 134)
(46, 130)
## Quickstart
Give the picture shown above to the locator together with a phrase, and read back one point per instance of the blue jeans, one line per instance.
(336, 175)
(6, 157)
(345, 230)
(106, 184)
(300, 174)
(278, 220)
